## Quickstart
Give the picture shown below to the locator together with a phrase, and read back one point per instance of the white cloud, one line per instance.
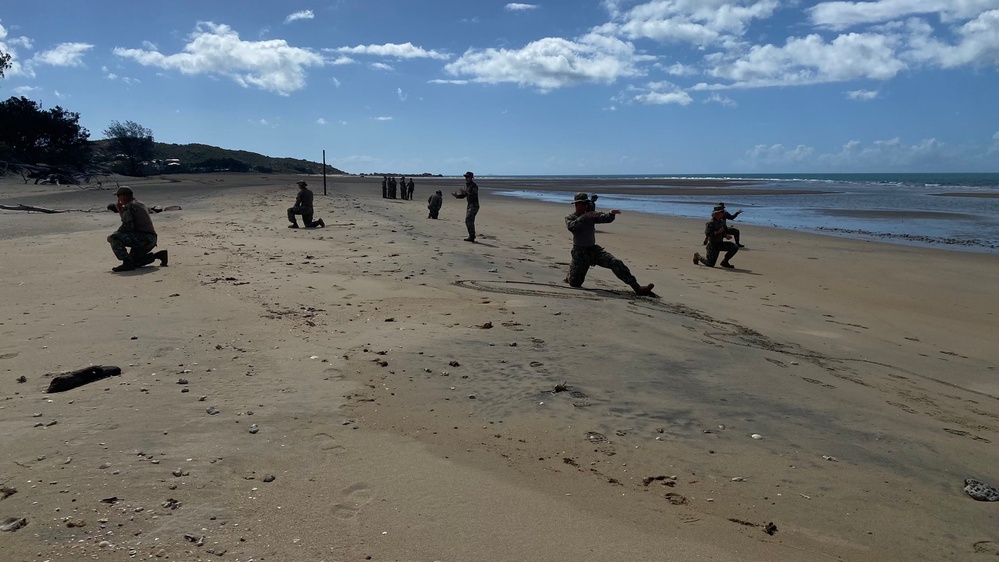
(552, 62)
(715, 97)
(810, 60)
(393, 50)
(681, 70)
(700, 22)
(880, 155)
(25, 90)
(659, 93)
(59, 94)
(149, 46)
(10, 46)
(779, 155)
(862, 95)
(841, 15)
(995, 143)
(381, 66)
(341, 60)
(302, 15)
(335, 82)
(402, 95)
(440, 81)
(217, 50)
(978, 43)
(65, 54)
(321, 121)
(515, 7)
(383, 118)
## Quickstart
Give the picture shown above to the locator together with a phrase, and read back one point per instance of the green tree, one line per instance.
(132, 142)
(4, 62)
(32, 136)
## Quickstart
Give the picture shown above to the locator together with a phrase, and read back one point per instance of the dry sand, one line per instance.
(396, 427)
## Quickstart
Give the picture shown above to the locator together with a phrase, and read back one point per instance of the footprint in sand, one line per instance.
(328, 443)
(355, 497)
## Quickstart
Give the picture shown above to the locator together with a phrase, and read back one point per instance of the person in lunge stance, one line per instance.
(585, 251)
(303, 206)
(715, 235)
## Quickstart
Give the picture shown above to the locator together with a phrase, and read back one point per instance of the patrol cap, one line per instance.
(718, 208)
(123, 191)
(581, 198)
(301, 183)
(469, 175)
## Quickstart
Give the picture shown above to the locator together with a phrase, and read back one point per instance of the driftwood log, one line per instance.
(73, 379)
(20, 207)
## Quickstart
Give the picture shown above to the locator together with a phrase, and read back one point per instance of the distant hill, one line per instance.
(195, 158)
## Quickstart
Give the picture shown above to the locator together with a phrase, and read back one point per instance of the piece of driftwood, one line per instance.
(73, 379)
(20, 207)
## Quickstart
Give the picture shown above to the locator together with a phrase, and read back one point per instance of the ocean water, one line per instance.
(899, 208)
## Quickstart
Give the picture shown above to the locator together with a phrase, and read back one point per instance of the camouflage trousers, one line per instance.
(712, 250)
(141, 243)
(470, 221)
(584, 257)
(306, 213)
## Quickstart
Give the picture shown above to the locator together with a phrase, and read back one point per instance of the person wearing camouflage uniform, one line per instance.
(470, 193)
(136, 232)
(585, 251)
(715, 234)
(303, 206)
(435, 203)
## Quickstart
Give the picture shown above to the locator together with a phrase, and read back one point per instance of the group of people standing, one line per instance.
(404, 188)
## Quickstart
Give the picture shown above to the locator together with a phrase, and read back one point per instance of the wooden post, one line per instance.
(324, 171)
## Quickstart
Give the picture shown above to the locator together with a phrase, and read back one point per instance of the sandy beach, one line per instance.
(382, 390)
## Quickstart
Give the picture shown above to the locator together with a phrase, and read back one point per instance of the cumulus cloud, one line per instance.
(392, 50)
(515, 7)
(25, 90)
(715, 97)
(842, 15)
(65, 54)
(879, 155)
(811, 60)
(381, 66)
(10, 46)
(321, 121)
(301, 15)
(217, 50)
(552, 63)
(383, 118)
(779, 155)
(699, 22)
(659, 93)
(862, 95)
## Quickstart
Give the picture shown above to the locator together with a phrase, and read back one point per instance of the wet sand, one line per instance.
(401, 381)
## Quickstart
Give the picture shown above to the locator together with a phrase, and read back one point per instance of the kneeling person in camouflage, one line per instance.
(585, 251)
(136, 232)
(716, 241)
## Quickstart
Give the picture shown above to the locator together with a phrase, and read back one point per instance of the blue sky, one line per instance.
(553, 87)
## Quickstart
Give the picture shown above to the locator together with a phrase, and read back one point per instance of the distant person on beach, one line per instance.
(384, 187)
(409, 189)
(435, 203)
(392, 186)
(715, 235)
(303, 206)
(136, 232)
(585, 251)
(471, 194)
(727, 216)
(402, 187)
(592, 205)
